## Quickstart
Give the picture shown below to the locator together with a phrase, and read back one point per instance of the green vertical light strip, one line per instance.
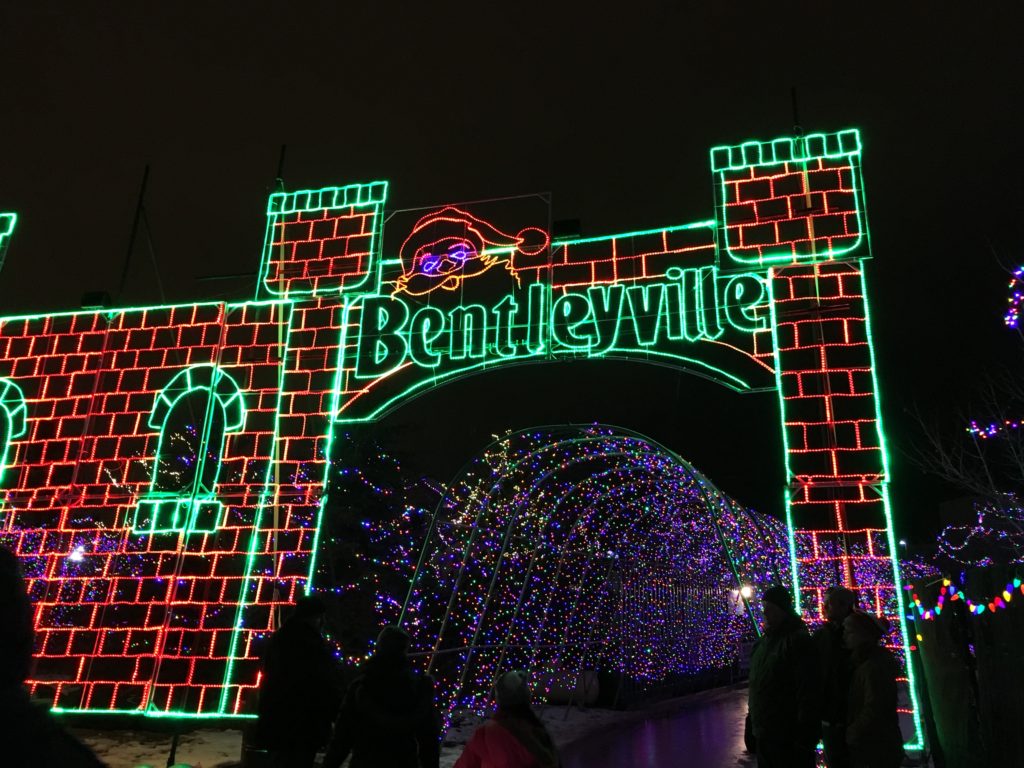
(794, 570)
(918, 742)
(258, 517)
(7, 222)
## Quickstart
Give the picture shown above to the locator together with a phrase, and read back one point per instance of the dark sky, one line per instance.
(611, 108)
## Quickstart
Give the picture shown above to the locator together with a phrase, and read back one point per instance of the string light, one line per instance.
(567, 549)
(1012, 316)
(950, 592)
(169, 618)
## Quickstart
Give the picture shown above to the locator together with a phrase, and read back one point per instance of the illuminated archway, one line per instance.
(567, 549)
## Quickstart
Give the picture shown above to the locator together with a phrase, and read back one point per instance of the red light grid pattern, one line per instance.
(794, 211)
(129, 621)
(835, 456)
(313, 249)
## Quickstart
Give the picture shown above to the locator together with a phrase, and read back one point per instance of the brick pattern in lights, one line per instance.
(168, 622)
(172, 623)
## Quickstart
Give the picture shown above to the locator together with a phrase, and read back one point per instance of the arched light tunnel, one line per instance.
(574, 550)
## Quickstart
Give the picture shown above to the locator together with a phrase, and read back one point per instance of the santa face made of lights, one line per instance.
(449, 246)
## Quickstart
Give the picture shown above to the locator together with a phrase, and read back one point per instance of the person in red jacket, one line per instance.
(514, 737)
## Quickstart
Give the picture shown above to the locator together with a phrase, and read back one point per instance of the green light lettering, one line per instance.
(381, 346)
(570, 312)
(645, 310)
(743, 294)
(504, 321)
(537, 316)
(708, 296)
(426, 327)
(469, 331)
(606, 305)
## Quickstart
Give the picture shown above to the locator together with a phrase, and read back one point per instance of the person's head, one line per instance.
(777, 604)
(862, 629)
(310, 609)
(392, 644)
(512, 691)
(839, 602)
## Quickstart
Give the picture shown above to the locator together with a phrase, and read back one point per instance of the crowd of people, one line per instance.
(386, 716)
(837, 686)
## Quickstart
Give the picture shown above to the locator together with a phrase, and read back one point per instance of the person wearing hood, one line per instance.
(514, 737)
(785, 681)
(873, 727)
(388, 717)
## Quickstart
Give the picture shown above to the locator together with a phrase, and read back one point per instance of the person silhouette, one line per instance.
(388, 717)
(873, 727)
(784, 693)
(836, 671)
(29, 735)
(299, 691)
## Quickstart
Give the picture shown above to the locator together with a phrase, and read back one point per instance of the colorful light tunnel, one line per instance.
(582, 555)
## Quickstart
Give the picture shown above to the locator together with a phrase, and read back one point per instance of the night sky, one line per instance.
(612, 111)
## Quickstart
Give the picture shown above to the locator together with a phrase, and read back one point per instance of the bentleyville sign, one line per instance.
(690, 305)
(462, 295)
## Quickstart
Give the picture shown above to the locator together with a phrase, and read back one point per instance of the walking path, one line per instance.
(705, 731)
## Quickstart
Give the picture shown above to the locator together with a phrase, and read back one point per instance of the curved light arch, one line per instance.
(582, 511)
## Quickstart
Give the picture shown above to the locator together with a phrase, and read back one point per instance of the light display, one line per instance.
(569, 549)
(1012, 316)
(7, 222)
(950, 592)
(164, 480)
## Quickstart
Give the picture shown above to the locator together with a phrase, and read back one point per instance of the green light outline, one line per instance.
(790, 531)
(706, 224)
(202, 377)
(260, 508)
(331, 431)
(803, 153)
(373, 194)
(415, 390)
(918, 743)
(152, 713)
(12, 403)
(555, 346)
(7, 223)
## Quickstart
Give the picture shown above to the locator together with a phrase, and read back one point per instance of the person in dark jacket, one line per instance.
(784, 695)
(872, 728)
(514, 737)
(388, 717)
(836, 671)
(299, 690)
(29, 735)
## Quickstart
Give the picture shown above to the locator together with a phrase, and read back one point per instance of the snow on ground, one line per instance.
(221, 748)
(205, 748)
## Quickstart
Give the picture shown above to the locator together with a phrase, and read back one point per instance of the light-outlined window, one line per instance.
(13, 423)
(194, 413)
